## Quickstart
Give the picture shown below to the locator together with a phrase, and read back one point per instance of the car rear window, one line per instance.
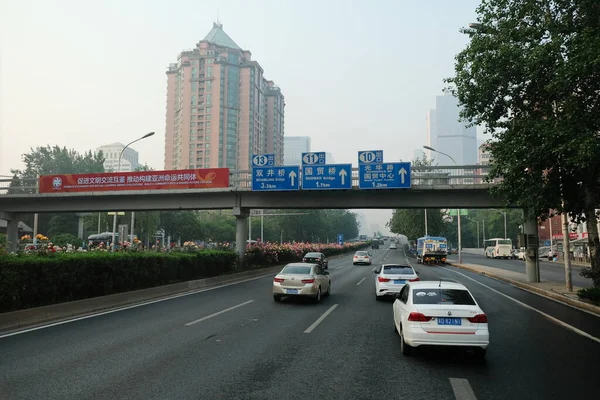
(398, 270)
(443, 296)
(292, 269)
(313, 255)
(361, 253)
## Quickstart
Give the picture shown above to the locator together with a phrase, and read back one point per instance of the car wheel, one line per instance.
(328, 290)
(378, 298)
(277, 297)
(318, 296)
(404, 347)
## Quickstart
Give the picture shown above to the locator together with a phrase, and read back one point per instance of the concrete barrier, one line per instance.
(473, 251)
(58, 312)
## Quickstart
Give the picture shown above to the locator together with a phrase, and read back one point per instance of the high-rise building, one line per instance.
(111, 152)
(293, 149)
(220, 108)
(446, 133)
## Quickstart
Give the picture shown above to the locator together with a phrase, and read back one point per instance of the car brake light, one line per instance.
(479, 319)
(382, 279)
(355, 256)
(414, 280)
(279, 280)
(308, 281)
(418, 317)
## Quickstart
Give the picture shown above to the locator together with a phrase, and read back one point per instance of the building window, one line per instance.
(208, 99)
(209, 71)
(194, 100)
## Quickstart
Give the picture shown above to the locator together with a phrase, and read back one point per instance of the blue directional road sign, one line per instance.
(313, 158)
(276, 178)
(370, 157)
(327, 177)
(263, 160)
(384, 176)
(340, 239)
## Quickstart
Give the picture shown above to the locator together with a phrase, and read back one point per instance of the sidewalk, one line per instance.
(552, 290)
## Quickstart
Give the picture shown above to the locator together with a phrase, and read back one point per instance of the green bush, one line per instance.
(2, 239)
(66, 238)
(592, 294)
(34, 281)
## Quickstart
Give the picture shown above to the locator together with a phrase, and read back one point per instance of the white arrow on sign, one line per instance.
(343, 174)
(292, 176)
(402, 173)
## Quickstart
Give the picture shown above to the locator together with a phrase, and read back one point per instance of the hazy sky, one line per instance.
(355, 74)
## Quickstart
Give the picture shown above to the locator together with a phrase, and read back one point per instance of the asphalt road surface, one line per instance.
(235, 342)
(549, 271)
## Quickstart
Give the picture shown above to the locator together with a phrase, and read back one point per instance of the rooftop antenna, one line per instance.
(218, 22)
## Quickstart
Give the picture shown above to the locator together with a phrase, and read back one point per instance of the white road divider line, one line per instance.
(321, 318)
(550, 317)
(342, 266)
(218, 313)
(462, 389)
(361, 281)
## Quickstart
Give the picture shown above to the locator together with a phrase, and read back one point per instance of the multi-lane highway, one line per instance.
(549, 271)
(235, 342)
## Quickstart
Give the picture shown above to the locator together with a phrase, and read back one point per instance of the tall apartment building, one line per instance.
(294, 147)
(220, 108)
(111, 152)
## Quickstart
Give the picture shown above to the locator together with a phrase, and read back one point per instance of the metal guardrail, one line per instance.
(456, 176)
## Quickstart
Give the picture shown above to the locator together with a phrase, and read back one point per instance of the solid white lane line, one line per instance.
(462, 389)
(342, 266)
(218, 313)
(132, 306)
(550, 317)
(361, 281)
(321, 318)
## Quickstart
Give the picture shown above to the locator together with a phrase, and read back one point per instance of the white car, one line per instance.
(391, 278)
(440, 313)
(393, 246)
(362, 257)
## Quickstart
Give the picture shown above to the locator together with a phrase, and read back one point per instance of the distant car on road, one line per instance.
(375, 244)
(362, 257)
(440, 313)
(302, 279)
(391, 278)
(317, 258)
(393, 246)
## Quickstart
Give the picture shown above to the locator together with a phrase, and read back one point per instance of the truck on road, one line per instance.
(432, 250)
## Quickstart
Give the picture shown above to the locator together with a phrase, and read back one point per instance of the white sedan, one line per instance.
(391, 278)
(440, 313)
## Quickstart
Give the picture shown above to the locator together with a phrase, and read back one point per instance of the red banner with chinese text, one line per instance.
(209, 178)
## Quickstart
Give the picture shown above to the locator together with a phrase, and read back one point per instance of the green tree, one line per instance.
(412, 223)
(531, 76)
(53, 160)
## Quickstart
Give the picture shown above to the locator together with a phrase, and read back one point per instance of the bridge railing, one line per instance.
(422, 176)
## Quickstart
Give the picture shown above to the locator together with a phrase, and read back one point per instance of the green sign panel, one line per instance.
(453, 212)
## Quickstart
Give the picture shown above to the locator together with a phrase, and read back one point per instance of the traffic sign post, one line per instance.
(313, 158)
(370, 157)
(340, 239)
(276, 178)
(327, 177)
(263, 160)
(384, 176)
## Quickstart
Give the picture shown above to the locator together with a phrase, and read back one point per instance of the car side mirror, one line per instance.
(418, 273)
(397, 295)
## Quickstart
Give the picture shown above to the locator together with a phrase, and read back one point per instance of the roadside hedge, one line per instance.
(33, 281)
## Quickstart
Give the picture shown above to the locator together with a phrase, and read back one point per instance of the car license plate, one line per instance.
(291, 291)
(399, 282)
(449, 321)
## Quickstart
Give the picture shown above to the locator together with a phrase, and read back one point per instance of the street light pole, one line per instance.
(119, 170)
(458, 211)
(504, 214)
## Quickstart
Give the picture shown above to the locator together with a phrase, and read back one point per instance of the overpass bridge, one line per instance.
(432, 187)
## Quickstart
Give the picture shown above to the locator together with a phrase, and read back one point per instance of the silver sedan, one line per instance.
(302, 279)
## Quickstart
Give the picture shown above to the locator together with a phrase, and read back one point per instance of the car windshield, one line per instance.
(296, 270)
(312, 255)
(362, 253)
(442, 296)
(398, 270)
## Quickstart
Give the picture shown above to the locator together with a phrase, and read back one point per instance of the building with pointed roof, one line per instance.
(221, 109)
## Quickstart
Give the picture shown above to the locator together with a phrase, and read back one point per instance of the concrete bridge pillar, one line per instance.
(241, 232)
(532, 259)
(12, 230)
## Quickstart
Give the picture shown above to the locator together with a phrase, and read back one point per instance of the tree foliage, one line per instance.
(412, 223)
(531, 76)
